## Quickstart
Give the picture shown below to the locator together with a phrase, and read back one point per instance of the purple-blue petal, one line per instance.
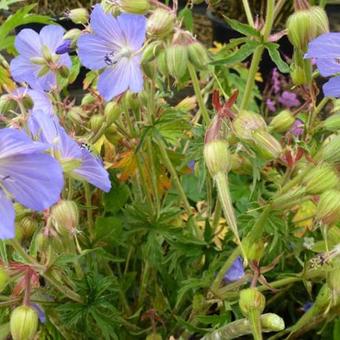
(41, 101)
(51, 36)
(7, 217)
(235, 272)
(34, 180)
(327, 67)
(27, 43)
(64, 47)
(332, 87)
(326, 45)
(136, 75)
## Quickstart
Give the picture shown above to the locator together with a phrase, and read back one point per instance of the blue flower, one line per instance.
(37, 62)
(235, 272)
(27, 175)
(114, 47)
(326, 51)
(84, 165)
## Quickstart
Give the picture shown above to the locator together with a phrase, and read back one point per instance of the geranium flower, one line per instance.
(326, 51)
(38, 62)
(113, 46)
(235, 272)
(27, 175)
(79, 161)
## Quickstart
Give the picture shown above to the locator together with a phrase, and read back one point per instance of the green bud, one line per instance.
(154, 336)
(65, 216)
(332, 123)
(28, 226)
(23, 323)
(76, 114)
(267, 146)
(305, 25)
(96, 122)
(112, 112)
(328, 210)
(162, 63)
(135, 6)
(254, 250)
(160, 23)
(251, 300)
(73, 35)
(282, 121)
(321, 178)
(330, 150)
(187, 104)
(6, 103)
(150, 51)
(217, 157)
(78, 15)
(111, 134)
(246, 123)
(4, 278)
(198, 55)
(272, 322)
(88, 99)
(298, 75)
(177, 59)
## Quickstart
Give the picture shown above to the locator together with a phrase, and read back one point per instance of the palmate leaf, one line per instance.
(242, 28)
(20, 17)
(273, 50)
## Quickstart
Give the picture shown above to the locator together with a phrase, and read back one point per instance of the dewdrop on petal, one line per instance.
(160, 23)
(24, 323)
(328, 209)
(134, 6)
(282, 121)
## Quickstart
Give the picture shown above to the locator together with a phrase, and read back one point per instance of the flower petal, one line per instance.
(134, 28)
(326, 45)
(14, 142)
(136, 75)
(23, 70)
(7, 217)
(41, 101)
(28, 44)
(34, 180)
(114, 80)
(327, 67)
(332, 87)
(51, 36)
(107, 27)
(92, 51)
(93, 171)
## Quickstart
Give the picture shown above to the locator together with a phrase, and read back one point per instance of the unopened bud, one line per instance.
(88, 99)
(154, 336)
(330, 150)
(217, 157)
(112, 112)
(303, 217)
(267, 146)
(76, 114)
(177, 60)
(298, 74)
(73, 35)
(321, 178)
(150, 52)
(246, 123)
(135, 6)
(251, 300)
(187, 104)
(96, 121)
(198, 55)
(328, 210)
(272, 322)
(27, 226)
(254, 250)
(332, 123)
(23, 323)
(78, 15)
(6, 103)
(4, 278)
(305, 25)
(65, 216)
(161, 23)
(282, 122)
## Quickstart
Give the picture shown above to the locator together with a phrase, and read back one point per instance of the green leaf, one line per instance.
(276, 57)
(242, 53)
(109, 230)
(116, 198)
(186, 15)
(242, 28)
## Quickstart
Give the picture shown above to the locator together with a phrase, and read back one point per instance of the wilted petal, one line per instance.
(134, 28)
(14, 142)
(332, 87)
(7, 217)
(326, 45)
(93, 171)
(27, 43)
(92, 51)
(328, 67)
(35, 180)
(114, 80)
(51, 36)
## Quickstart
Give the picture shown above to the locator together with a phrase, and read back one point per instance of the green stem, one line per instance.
(323, 3)
(247, 95)
(58, 285)
(198, 94)
(248, 13)
(317, 110)
(255, 324)
(89, 213)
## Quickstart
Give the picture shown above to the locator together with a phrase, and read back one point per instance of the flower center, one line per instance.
(113, 57)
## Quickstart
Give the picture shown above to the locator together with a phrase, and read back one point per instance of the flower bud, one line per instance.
(6, 103)
(198, 55)
(23, 323)
(305, 25)
(76, 114)
(328, 210)
(65, 216)
(217, 156)
(88, 99)
(161, 23)
(330, 151)
(251, 300)
(332, 123)
(240, 165)
(267, 146)
(187, 104)
(111, 112)
(162, 63)
(246, 123)
(4, 278)
(150, 52)
(254, 250)
(27, 226)
(272, 322)
(321, 178)
(73, 35)
(298, 74)
(78, 15)
(96, 121)
(135, 6)
(303, 217)
(282, 122)
(177, 60)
